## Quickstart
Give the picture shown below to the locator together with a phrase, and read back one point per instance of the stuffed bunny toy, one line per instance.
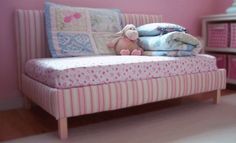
(125, 42)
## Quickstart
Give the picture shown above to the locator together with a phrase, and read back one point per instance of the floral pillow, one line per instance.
(79, 31)
(155, 29)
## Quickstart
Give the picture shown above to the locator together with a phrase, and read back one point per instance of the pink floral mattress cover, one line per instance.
(71, 72)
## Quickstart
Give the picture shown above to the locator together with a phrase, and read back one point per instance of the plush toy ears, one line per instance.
(126, 28)
(113, 43)
(119, 34)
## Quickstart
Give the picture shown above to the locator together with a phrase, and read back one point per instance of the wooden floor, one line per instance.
(21, 122)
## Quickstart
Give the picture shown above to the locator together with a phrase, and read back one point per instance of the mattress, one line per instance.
(71, 72)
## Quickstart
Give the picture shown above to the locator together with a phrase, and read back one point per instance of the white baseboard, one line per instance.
(15, 101)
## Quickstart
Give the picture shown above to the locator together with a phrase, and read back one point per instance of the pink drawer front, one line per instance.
(233, 35)
(221, 60)
(218, 35)
(232, 67)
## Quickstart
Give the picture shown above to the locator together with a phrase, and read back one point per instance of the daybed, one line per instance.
(82, 91)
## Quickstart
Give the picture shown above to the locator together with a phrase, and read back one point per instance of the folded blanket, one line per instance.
(155, 29)
(171, 42)
(168, 53)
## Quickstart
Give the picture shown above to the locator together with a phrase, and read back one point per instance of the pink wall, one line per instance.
(222, 5)
(183, 12)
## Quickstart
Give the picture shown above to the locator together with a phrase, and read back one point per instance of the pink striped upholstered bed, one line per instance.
(80, 99)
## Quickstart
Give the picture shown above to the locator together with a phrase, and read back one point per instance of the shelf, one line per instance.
(222, 50)
(220, 17)
(231, 81)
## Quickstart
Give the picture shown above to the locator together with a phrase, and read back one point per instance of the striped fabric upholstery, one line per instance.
(31, 35)
(139, 19)
(91, 99)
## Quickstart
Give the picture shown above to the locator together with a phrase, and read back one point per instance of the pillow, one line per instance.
(155, 29)
(80, 31)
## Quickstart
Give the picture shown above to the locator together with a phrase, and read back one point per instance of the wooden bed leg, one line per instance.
(27, 103)
(62, 128)
(217, 96)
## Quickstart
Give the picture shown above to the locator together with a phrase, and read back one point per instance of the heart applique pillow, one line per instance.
(80, 31)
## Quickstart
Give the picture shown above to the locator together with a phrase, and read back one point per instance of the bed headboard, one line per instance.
(31, 34)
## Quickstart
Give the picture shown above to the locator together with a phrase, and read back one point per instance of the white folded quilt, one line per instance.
(171, 44)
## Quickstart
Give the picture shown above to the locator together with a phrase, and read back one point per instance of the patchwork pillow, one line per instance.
(80, 31)
(155, 29)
